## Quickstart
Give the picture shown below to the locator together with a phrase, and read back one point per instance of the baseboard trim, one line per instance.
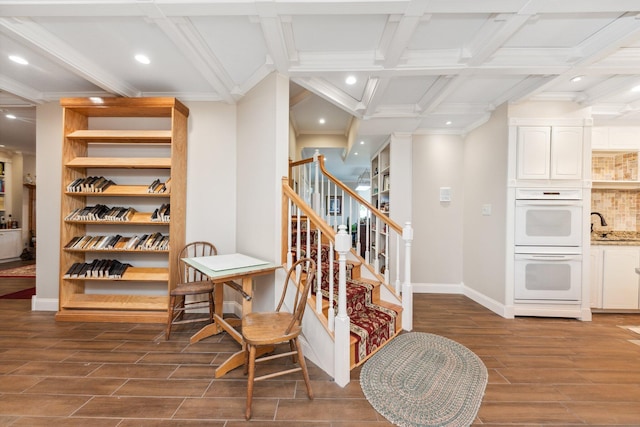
(460, 289)
(44, 304)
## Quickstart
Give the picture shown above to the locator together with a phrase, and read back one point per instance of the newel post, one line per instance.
(342, 330)
(407, 288)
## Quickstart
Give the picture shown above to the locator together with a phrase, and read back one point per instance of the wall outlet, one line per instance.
(486, 210)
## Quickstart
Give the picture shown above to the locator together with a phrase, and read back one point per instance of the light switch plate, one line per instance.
(445, 194)
(486, 209)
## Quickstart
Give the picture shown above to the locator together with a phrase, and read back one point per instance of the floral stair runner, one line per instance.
(370, 324)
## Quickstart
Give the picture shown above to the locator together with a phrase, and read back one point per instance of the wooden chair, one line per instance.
(268, 329)
(191, 283)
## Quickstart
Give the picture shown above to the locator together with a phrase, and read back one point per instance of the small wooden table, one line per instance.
(221, 269)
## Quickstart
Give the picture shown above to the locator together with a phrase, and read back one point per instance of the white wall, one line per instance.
(263, 152)
(49, 173)
(211, 175)
(437, 241)
(485, 177)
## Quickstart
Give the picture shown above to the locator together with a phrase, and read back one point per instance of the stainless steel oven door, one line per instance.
(548, 277)
(548, 223)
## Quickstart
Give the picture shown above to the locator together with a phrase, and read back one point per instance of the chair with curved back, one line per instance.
(271, 328)
(191, 283)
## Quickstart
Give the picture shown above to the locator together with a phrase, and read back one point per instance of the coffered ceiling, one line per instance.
(419, 65)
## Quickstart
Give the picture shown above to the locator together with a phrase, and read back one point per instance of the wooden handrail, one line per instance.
(377, 213)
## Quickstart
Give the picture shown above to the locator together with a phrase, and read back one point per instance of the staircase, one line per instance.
(373, 321)
(357, 310)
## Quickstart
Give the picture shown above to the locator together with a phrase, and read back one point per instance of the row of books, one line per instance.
(89, 184)
(101, 213)
(163, 213)
(159, 187)
(153, 242)
(98, 268)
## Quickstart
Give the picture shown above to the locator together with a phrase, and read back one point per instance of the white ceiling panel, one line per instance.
(336, 33)
(447, 31)
(127, 37)
(559, 30)
(419, 64)
(240, 64)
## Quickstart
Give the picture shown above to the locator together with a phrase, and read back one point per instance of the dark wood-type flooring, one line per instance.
(542, 372)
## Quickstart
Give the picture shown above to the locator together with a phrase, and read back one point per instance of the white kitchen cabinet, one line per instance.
(10, 243)
(595, 275)
(545, 152)
(619, 278)
(615, 138)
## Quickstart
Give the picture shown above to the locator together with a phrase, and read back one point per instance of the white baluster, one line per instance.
(289, 232)
(341, 334)
(397, 264)
(331, 314)
(319, 274)
(316, 194)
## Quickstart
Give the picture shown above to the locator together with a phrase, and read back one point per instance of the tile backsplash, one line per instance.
(620, 208)
(615, 167)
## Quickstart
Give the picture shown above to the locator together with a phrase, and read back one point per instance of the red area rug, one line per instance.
(23, 294)
(22, 271)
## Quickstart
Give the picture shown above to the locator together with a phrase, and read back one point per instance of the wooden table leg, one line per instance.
(212, 328)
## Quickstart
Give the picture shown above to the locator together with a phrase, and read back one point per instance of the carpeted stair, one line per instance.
(372, 323)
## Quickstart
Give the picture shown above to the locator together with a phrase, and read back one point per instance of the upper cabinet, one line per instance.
(615, 138)
(615, 157)
(549, 152)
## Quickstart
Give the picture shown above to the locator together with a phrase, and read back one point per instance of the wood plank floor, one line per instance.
(542, 372)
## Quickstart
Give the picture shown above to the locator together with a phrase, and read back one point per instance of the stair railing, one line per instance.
(309, 230)
(375, 239)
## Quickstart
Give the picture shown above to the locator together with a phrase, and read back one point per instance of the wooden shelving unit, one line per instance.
(380, 189)
(98, 141)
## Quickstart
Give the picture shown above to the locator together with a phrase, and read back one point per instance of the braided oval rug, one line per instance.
(421, 379)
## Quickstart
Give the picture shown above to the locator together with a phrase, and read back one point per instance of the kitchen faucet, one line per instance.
(603, 223)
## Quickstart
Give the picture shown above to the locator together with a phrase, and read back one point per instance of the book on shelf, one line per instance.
(158, 186)
(89, 184)
(98, 268)
(161, 214)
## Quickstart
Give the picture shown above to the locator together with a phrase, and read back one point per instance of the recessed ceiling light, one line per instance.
(355, 154)
(18, 60)
(636, 89)
(448, 122)
(10, 116)
(361, 142)
(321, 121)
(143, 59)
(351, 80)
(576, 79)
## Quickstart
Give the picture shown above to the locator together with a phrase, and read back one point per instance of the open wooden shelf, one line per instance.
(120, 191)
(133, 274)
(122, 136)
(138, 218)
(117, 302)
(120, 162)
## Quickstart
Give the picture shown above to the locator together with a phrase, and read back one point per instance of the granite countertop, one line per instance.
(618, 238)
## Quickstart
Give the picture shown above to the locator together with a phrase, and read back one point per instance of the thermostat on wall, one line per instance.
(445, 194)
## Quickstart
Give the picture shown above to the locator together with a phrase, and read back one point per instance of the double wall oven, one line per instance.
(548, 245)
